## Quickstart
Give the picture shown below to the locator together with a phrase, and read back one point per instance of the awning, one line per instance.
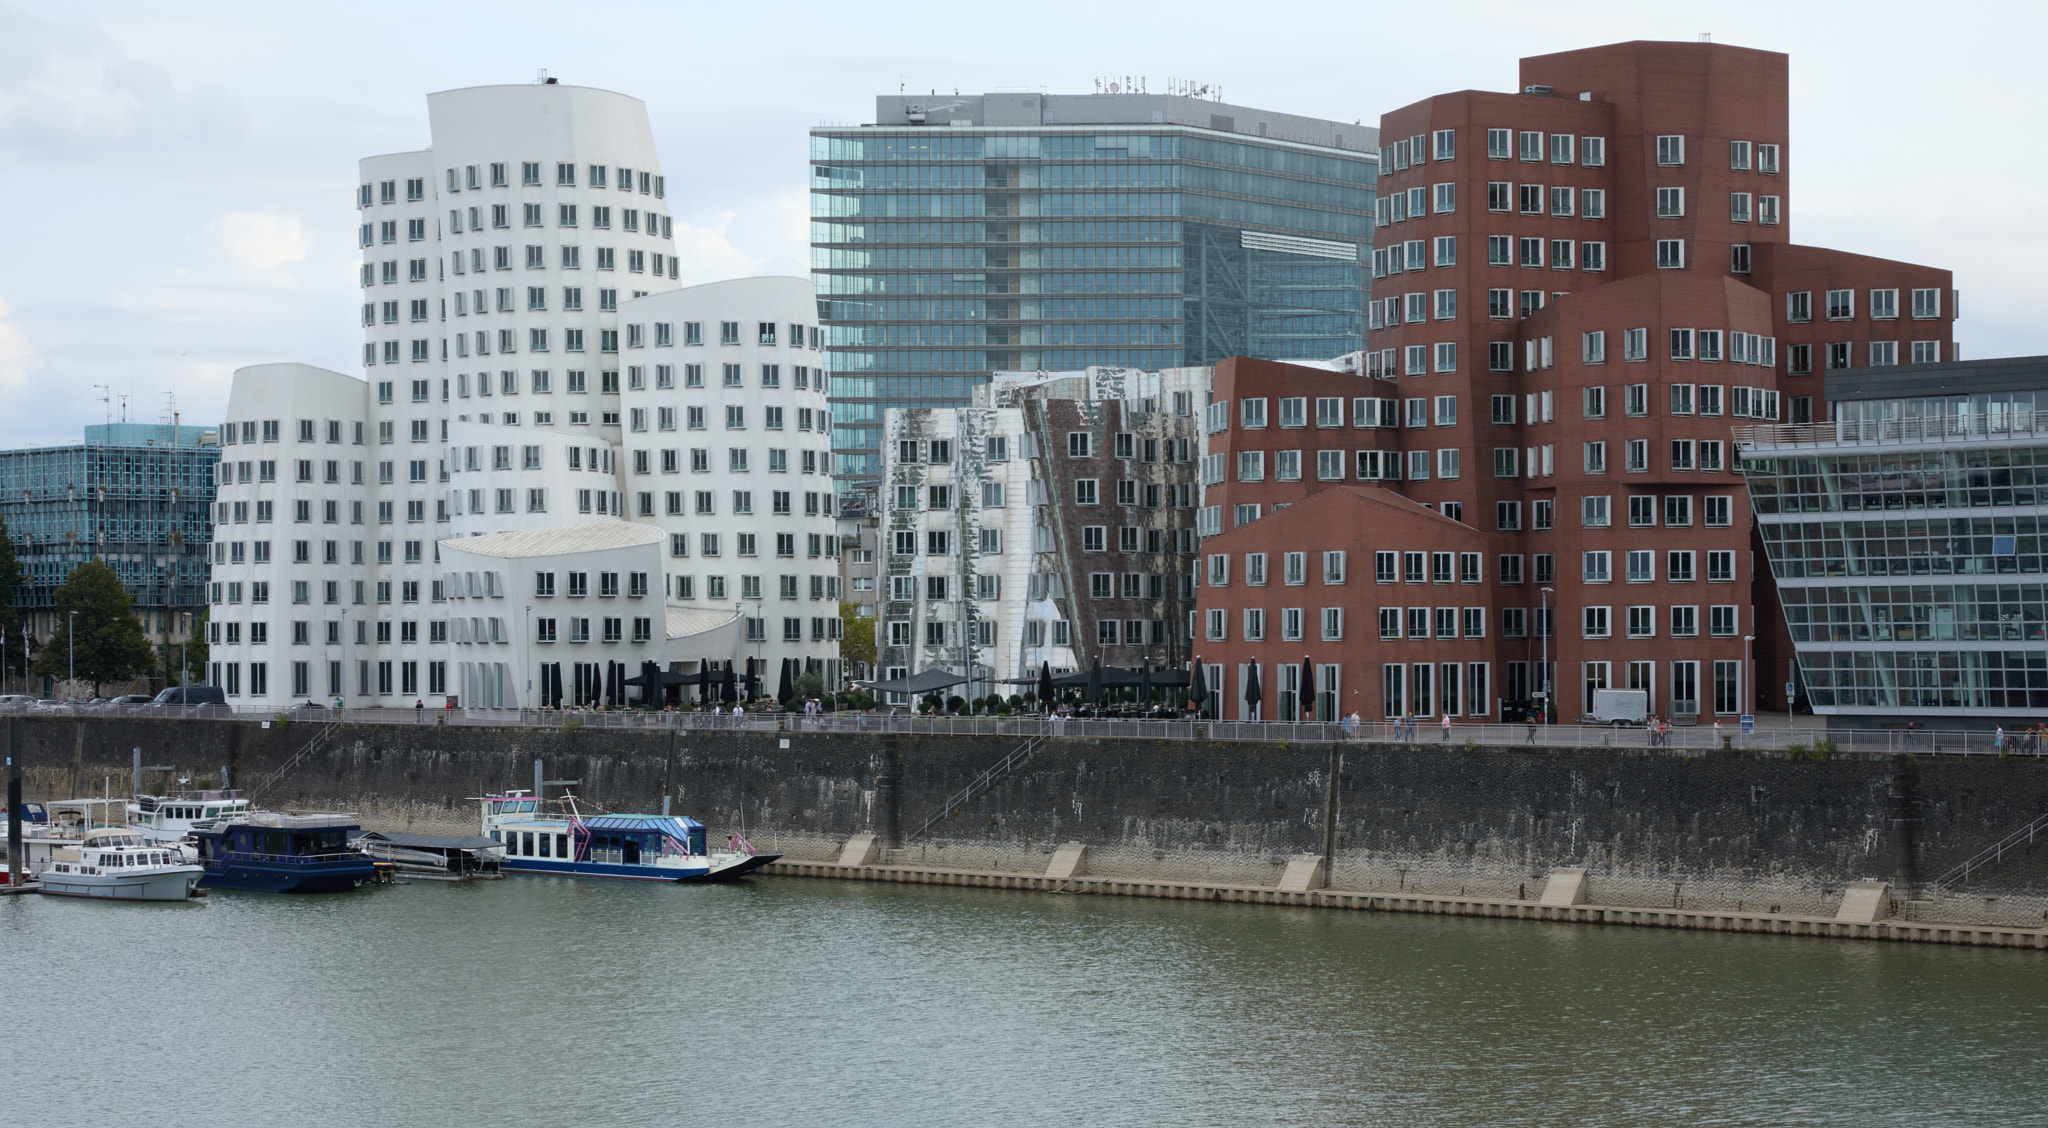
(926, 681)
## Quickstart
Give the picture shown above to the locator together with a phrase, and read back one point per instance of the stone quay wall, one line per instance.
(1655, 829)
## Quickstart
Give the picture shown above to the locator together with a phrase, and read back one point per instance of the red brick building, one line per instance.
(1580, 290)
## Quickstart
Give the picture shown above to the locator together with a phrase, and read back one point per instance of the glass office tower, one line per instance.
(963, 235)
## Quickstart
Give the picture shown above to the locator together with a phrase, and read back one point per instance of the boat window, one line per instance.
(526, 841)
(527, 806)
(561, 845)
(494, 836)
(544, 844)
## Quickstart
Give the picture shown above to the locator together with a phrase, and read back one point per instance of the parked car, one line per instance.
(191, 695)
(16, 702)
(99, 702)
(132, 699)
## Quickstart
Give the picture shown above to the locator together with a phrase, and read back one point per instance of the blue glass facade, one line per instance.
(942, 255)
(128, 496)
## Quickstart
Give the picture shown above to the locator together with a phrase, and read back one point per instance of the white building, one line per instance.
(727, 449)
(529, 366)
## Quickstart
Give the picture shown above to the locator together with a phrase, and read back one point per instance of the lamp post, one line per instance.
(529, 657)
(184, 675)
(1543, 673)
(1747, 704)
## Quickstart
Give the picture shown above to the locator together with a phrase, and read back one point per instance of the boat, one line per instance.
(283, 853)
(637, 847)
(170, 818)
(113, 863)
(435, 857)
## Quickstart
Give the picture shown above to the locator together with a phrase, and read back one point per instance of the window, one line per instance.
(1596, 457)
(1670, 203)
(1841, 305)
(1926, 304)
(1677, 511)
(1635, 344)
(1738, 258)
(1685, 622)
(1678, 566)
(1596, 624)
(1720, 566)
(1721, 621)
(1884, 305)
(1671, 254)
(1671, 150)
(1597, 570)
(1593, 512)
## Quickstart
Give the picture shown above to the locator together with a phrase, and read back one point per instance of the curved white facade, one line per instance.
(299, 524)
(727, 448)
(526, 356)
(504, 479)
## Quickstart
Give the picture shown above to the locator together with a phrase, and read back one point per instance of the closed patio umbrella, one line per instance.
(1198, 689)
(1145, 683)
(786, 692)
(1095, 683)
(728, 684)
(1308, 686)
(1045, 686)
(1253, 693)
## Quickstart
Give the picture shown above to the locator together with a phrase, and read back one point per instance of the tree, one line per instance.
(11, 577)
(857, 635)
(110, 643)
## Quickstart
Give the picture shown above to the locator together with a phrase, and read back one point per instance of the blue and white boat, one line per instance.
(636, 847)
(275, 853)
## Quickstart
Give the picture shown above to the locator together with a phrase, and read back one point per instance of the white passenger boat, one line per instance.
(112, 863)
(170, 818)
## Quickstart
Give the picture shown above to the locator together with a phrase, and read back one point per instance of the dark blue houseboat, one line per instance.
(276, 853)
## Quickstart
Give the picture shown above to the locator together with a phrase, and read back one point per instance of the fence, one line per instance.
(1421, 732)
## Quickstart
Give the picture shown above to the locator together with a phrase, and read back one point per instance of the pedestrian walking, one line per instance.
(1912, 735)
(1531, 719)
(1998, 739)
(1447, 729)
(419, 711)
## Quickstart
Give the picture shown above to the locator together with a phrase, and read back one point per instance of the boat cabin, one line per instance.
(276, 838)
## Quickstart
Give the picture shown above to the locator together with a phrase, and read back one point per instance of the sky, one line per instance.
(182, 176)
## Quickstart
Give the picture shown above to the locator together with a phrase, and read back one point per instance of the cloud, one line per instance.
(70, 94)
(261, 241)
(15, 357)
(708, 253)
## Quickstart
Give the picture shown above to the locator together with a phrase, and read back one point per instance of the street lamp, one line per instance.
(529, 657)
(1543, 673)
(184, 674)
(71, 659)
(1748, 709)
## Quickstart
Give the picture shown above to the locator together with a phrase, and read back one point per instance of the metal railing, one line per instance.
(1773, 734)
(981, 782)
(1934, 429)
(1992, 854)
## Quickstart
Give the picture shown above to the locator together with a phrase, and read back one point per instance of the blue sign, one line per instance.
(1748, 724)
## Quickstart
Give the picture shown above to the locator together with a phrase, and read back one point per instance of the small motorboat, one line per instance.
(117, 864)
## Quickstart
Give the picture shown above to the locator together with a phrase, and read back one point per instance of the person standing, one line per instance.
(419, 711)
(1447, 729)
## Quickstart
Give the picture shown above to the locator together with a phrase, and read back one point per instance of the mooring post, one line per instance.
(889, 814)
(13, 804)
(1330, 811)
(1904, 819)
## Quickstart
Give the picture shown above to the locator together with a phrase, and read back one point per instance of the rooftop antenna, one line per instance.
(540, 77)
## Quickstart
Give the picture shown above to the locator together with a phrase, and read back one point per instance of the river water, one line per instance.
(787, 1001)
